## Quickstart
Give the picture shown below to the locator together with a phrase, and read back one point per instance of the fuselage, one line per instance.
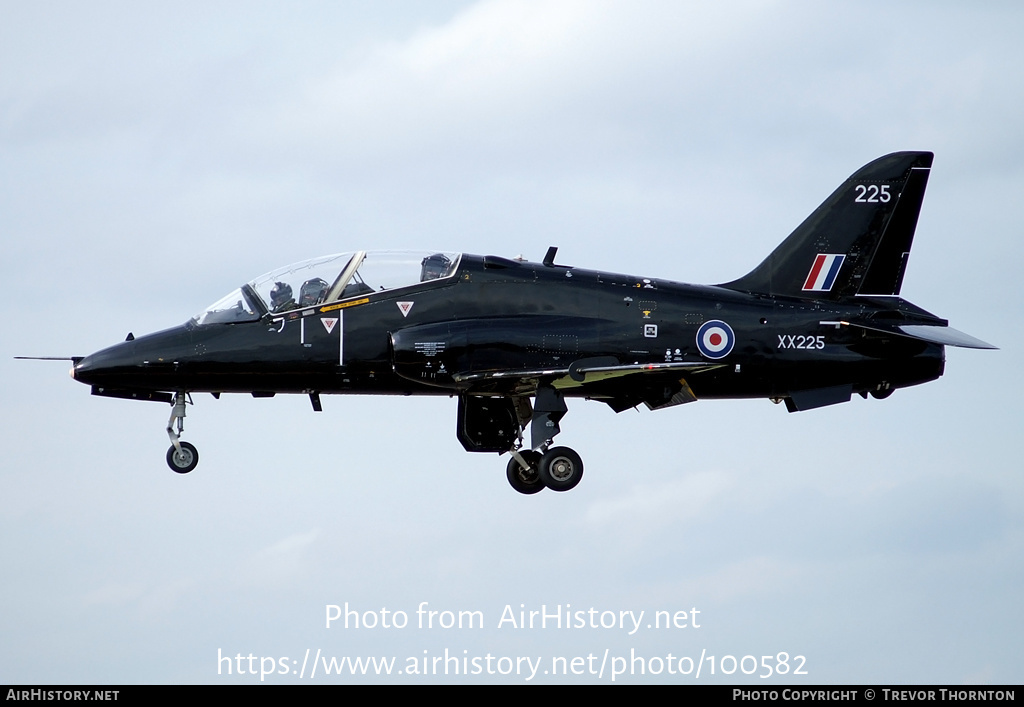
(444, 336)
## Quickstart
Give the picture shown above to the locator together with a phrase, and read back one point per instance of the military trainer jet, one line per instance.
(818, 321)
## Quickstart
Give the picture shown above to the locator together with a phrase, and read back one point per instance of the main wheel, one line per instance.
(184, 461)
(560, 469)
(527, 482)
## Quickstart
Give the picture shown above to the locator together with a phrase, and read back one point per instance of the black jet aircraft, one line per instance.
(818, 321)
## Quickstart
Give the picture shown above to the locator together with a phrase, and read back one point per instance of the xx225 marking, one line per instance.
(800, 341)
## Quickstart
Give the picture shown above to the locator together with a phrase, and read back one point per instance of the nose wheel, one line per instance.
(183, 458)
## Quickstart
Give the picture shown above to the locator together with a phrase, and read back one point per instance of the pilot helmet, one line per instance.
(312, 291)
(280, 295)
(434, 266)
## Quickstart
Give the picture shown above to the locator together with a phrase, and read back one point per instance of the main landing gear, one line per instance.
(182, 457)
(559, 469)
(523, 473)
(496, 423)
(556, 468)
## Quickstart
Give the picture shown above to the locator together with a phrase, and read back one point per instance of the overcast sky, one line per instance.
(154, 158)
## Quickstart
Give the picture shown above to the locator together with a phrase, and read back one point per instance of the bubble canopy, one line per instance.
(328, 279)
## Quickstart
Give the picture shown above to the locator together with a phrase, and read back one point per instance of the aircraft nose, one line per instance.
(102, 366)
(83, 371)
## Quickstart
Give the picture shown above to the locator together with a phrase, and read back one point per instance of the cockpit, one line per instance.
(328, 279)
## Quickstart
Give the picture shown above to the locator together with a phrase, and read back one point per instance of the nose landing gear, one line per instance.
(182, 457)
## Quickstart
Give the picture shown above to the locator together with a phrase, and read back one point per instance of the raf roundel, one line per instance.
(715, 339)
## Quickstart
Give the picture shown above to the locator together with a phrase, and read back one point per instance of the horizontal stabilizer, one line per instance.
(944, 335)
(947, 336)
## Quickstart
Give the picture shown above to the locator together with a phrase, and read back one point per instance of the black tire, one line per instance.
(185, 461)
(560, 469)
(523, 481)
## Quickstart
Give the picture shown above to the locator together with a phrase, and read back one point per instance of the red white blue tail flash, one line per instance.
(823, 272)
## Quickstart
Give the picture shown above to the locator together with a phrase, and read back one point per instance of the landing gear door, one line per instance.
(487, 424)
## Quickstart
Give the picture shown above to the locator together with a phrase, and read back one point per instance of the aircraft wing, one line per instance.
(600, 378)
(935, 334)
(438, 353)
(583, 372)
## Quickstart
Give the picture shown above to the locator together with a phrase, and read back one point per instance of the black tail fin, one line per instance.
(856, 242)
